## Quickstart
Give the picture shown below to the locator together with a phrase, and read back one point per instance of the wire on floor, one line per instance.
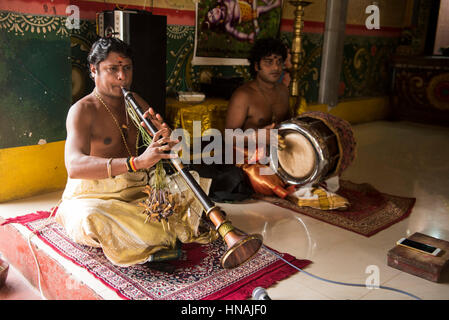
(338, 282)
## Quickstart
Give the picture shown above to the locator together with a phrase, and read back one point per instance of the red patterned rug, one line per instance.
(370, 211)
(197, 274)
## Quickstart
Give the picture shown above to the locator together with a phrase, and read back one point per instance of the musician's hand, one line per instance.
(261, 147)
(156, 151)
(270, 126)
(158, 122)
(268, 129)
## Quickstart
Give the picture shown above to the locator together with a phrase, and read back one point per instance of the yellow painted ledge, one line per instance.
(32, 170)
(355, 110)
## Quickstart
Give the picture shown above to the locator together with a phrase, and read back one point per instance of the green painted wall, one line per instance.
(35, 81)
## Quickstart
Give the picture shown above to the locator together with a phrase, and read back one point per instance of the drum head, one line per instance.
(297, 157)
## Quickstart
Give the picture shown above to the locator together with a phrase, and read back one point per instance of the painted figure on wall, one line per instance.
(231, 13)
(228, 28)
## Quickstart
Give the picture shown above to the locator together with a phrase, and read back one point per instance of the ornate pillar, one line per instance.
(297, 50)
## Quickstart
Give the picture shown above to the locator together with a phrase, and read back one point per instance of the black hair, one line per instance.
(263, 48)
(103, 46)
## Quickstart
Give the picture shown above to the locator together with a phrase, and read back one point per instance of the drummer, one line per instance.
(262, 103)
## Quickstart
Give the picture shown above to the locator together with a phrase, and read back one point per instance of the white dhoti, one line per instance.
(105, 213)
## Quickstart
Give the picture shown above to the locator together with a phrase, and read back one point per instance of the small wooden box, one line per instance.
(433, 268)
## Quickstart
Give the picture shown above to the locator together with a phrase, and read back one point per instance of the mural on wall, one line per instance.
(365, 66)
(226, 28)
(34, 79)
(421, 90)
(42, 66)
(366, 70)
(181, 75)
(20, 24)
(179, 54)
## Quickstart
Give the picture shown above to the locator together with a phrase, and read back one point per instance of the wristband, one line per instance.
(130, 165)
(133, 165)
(109, 168)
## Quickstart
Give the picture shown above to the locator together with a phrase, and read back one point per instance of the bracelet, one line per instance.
(109, 168)
(133, 165)
(130, 165)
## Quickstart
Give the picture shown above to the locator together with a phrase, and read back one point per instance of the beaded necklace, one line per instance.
(118, 126)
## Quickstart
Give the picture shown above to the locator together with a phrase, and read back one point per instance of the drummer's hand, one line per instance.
(270, 126)
(156, 151)
(158, 122)
(268, 129)
(262, 146)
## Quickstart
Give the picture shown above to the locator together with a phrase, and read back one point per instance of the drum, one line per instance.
(312, 148)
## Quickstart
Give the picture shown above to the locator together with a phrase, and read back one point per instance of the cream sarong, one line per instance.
(105, 213)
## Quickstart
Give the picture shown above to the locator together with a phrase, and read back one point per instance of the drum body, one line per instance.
(313, 147)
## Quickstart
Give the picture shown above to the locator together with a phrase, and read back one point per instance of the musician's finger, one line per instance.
(161, 149)
(281, 142)
(162, 140)
(270, 126)
(159, 118)
(146, 114)
(169, 155)
(168, 140)
(157, 136)
(146, 128)
(165, 147)
(173, 143)
(151, 112)
(166, 132)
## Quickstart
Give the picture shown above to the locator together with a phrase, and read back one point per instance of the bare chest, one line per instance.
(266, 109)
(112, 138)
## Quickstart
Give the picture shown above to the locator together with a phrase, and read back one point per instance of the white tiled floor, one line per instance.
(399, 158)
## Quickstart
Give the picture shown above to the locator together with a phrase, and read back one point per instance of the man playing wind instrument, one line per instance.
(102, 202)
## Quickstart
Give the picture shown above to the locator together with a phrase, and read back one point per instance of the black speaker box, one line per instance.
(147, 35)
